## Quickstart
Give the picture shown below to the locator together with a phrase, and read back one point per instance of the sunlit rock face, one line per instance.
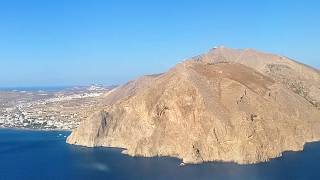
(233, 105)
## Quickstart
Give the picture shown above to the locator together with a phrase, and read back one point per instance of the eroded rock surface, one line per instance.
(226, 105)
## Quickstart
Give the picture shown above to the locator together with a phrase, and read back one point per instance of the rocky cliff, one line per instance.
(233, 105)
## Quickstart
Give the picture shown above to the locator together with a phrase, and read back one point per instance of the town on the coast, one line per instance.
(52, 109)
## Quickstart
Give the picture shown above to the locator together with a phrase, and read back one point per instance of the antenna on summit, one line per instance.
(219, 46)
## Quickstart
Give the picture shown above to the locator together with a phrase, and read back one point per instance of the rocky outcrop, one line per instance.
(225, 105)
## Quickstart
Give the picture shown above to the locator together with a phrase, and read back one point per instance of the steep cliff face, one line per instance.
(215, 107)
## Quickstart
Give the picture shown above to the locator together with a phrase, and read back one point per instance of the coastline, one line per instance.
(122, 151)
(182, 163)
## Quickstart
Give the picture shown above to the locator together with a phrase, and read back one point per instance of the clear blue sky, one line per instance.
(76, 42)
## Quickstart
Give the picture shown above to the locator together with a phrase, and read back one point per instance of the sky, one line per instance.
(81, 42)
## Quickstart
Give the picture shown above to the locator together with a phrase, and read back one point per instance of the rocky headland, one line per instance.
(235, 105)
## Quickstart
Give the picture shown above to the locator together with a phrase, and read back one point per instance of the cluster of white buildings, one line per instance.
(37, 120)
(35, 115)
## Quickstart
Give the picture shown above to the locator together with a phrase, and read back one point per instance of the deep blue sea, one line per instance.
(44, 155)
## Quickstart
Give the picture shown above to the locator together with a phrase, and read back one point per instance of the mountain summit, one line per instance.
(233, 105)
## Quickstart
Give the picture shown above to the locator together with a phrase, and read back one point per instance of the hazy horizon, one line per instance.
(71, 43)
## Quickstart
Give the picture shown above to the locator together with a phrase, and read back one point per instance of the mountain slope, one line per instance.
(302, 79)
(222, 106)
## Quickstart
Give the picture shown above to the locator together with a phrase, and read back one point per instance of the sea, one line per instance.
(44, 155)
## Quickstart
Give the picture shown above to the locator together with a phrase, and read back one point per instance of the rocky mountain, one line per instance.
(233, 105)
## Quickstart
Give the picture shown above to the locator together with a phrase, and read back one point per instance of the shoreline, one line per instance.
(182, 163)
(122, 150)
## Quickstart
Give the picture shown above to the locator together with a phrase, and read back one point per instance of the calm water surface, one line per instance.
(44, 155)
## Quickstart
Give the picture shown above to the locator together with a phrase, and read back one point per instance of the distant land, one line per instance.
(234, 105)
(49, 108)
